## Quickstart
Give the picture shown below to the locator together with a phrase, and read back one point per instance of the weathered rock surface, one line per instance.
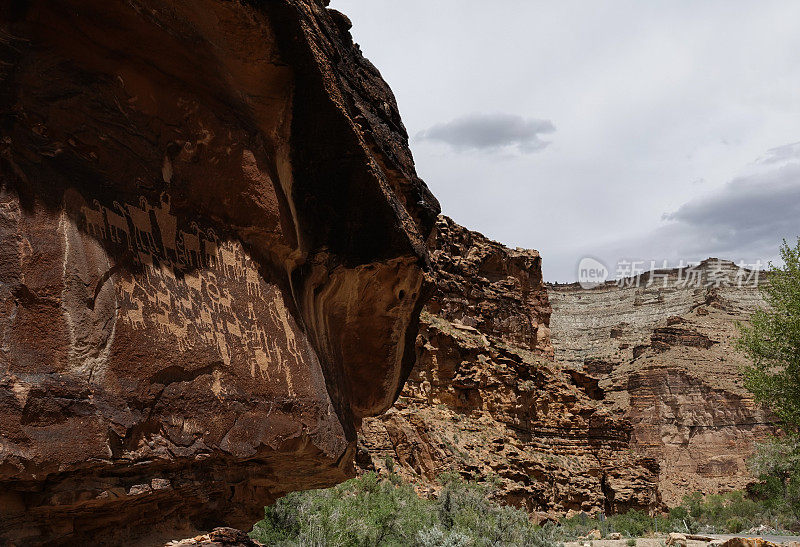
(219, 537)
(486, 400)
(663, 354)
(748, 542)
(212, 261)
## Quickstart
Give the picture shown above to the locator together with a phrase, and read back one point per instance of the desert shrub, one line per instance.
(777, 466)
(463, 506)
(664, 523)
(579, 525)
(435, 536)
(734, 525)
(545, 536)
(631, 524)
(732, 512)
(364, 511)
(678, 513)
(373, 511)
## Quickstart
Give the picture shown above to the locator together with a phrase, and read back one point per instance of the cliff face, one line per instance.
(664, 356)
(485, 398)
(212, 261)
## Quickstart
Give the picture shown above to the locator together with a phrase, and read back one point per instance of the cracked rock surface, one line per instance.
(487, 401)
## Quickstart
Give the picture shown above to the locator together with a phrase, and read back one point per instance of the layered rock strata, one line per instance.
(487, 401)
(662, 351)
(212, 262)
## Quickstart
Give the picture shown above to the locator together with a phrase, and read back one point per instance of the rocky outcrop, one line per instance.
(219, 537)
(486, 400)
(663, 354)
(212, 262)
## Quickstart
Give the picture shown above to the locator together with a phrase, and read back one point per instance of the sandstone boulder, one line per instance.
(748, 542)
(219, 537)
(676, 539)
(593, 535)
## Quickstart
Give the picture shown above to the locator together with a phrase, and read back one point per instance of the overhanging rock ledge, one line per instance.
(212, 261)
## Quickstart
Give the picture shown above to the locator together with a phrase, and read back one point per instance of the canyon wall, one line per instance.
(212, 264)
(487, 401)
(623, 396)
(662, 350)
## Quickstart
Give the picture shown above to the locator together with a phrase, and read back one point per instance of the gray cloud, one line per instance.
(781, 153)
(641, 120)
(743, 220)
(750, 212)
(491, 132)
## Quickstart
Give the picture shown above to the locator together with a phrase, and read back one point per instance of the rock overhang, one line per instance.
(213, 260)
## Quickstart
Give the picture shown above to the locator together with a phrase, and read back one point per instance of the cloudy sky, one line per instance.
(658, 130)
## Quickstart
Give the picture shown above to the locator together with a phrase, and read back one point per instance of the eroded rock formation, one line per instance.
(662, 352)
(212, 261)
(487, 401)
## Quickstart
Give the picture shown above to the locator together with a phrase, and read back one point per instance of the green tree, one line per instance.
(772, 341)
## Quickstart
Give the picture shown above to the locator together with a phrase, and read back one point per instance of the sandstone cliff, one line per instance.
(662, 352)
(212, 262)
(486, 400)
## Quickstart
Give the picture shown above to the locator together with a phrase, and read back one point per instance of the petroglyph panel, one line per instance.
(191, 286)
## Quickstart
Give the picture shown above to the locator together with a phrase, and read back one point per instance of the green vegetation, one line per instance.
(777, 466)
(729, 513)
(732, 513)
(772, 341)
(372, 511)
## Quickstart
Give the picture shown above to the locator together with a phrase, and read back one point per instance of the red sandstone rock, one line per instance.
(748, 542)
(486, 400)
(212, 261)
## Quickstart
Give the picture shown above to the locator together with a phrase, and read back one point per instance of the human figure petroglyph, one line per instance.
(118, 224)
(168, 224)
(191, 246)
(95, 223)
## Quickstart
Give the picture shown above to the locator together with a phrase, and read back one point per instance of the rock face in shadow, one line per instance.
(487, 401)
(212, 261)
(663, 353)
